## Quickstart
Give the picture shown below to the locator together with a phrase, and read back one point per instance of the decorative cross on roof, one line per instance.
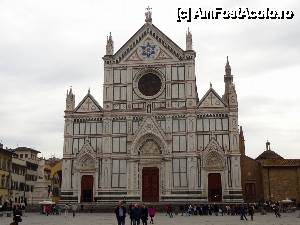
(148, 15)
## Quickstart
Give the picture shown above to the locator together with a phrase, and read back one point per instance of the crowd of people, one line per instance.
(140, 213)
(137, 212)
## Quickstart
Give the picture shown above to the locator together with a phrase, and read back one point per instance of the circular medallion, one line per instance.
(148, 50)
(149, 84)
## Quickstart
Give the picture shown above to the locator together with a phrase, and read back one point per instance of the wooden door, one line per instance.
(214, 187)
(250, 193)
(150, 186)
(87, 188)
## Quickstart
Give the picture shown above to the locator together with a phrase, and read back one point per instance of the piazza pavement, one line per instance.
(160, 219)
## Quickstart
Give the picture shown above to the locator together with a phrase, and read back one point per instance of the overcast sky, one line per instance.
(46, 46)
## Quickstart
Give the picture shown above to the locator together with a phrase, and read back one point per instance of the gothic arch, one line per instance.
(149, 137)
(86, 159)
(213, 160)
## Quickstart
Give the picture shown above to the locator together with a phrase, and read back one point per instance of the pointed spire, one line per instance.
(210, 84)
(241, 131)
(89, 91)
(109, 45)
(189, 40)
(148, 15)
(70, 100)
(227, 68)
(228, 78)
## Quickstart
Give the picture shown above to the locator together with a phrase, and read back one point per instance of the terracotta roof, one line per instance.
(26, 149)
(7, 151)
(268, 154)
(281, 162)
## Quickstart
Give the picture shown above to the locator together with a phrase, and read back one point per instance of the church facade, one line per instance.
(153, 139)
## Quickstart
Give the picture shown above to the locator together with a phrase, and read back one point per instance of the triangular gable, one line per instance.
(86, 150)
(149, 127)
(213, 145)
(86, 158)
(213, 155)
(88, 104)
(211, 100)
(147, 50)
(148, 31)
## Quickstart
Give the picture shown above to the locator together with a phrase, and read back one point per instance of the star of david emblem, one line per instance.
(148, 50)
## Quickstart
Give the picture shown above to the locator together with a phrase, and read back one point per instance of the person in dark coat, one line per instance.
(120, 212)
(144, 215)
(136, 214)
(130, 212)
(251, 211)
(243, 212)
(17, 215)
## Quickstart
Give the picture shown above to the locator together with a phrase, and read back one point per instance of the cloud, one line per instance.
(47, 46)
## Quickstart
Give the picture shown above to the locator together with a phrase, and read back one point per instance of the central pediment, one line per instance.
(148, 43)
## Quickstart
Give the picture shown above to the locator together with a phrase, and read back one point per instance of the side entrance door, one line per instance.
(214, 187)
(87, 188)
(150, 180)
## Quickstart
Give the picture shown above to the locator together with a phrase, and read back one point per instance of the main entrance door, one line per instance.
(150, 184)
(87, 188)
(214, 187)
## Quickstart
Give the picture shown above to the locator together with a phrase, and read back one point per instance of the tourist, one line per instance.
(243, 212)
(130, 212)
(276, 211)
(66, 209)
(190, 209)
(17, 215)
(151, 211)
(120, 212)
(144, 215)
(74, 208)
(181, 209)
(195, 209)
(251, 211)
(170, 210)
(216, 209)
(136, 214)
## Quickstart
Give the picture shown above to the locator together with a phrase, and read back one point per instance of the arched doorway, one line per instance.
(87, 182)
(150, 184)
(214, 187)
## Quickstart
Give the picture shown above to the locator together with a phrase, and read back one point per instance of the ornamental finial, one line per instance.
(148, 15)
(227, 68)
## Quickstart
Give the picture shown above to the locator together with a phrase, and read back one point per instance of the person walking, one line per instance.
(130, 212)
(276, 211)
(170, 210)
(17, 215)
(251, 211)
(144, 215)
(151, 211)
(120, 212)
(243, 212)
(136, 213)
(74, 208)
(66, 209)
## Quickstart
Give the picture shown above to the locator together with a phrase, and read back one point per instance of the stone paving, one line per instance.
(161, 219)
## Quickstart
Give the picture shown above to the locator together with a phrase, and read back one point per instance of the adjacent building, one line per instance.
(5, 176)
(30, 156)
(153, 139)
(18, 182)
(269, 177)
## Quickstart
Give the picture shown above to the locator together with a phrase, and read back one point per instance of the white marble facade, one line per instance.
(152, 117)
